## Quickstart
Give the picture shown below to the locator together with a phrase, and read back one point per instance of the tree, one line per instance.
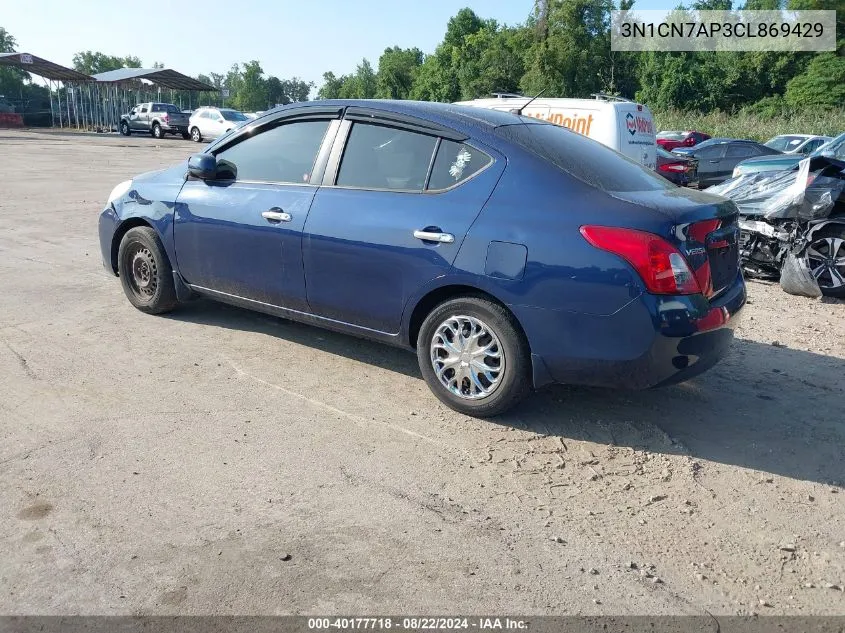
(332, 86)
(397, 70)
(94, 62)
(252, 88)
(822, 85)
(7, 41)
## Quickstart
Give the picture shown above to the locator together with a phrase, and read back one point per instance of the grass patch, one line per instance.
(752, 126)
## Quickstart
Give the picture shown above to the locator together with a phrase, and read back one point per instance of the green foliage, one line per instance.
(397, 71)
(822, 84)
(94, 62)
(252, 88)
(748, 123)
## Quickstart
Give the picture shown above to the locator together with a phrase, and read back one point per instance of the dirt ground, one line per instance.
(221, 461)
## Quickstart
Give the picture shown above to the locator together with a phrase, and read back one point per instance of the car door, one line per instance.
(240, 235)
(133, 118)
(709, 159)
(395, 205)
(144, 117)
(735, 153)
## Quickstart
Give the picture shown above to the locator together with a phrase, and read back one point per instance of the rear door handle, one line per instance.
(276, 215)
(434, 236)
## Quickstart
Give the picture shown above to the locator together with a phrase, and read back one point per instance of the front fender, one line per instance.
(839, 221)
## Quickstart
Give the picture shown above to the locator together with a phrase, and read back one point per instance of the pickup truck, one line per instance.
(157, 119)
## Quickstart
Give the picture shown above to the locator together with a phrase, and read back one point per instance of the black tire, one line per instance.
(823, 240)
(157, 132)
(186, 136)
(513, 382)
(145, 272)
(125, 130)
(196, 135)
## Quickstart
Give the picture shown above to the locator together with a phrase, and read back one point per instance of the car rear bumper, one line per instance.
(652, 341)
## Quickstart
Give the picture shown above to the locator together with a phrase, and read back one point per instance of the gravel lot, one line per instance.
(220, 461)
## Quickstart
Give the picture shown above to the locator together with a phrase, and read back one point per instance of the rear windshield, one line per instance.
(166, 107)
(584, 158)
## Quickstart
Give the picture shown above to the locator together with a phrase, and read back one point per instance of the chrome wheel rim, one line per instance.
(826, 260)
(143, 277)
(467, 357)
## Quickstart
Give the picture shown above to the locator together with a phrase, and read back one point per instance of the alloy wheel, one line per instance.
(826, 260)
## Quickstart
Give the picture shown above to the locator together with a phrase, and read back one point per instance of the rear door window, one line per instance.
(382, 157)
(455, 163)
(583, 158)
(739, 151)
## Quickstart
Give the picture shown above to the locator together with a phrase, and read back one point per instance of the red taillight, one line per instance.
(677, 167)
(662, 267)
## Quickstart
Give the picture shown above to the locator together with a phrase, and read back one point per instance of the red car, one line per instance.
(671, 140)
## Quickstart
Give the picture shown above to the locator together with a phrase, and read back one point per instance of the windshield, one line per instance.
(233, 115)
(585, 159)
(672, 136)
(784, 143)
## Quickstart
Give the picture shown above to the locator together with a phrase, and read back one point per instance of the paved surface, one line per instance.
(174, 464)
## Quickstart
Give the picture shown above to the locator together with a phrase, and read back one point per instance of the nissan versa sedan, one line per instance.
(509, 253)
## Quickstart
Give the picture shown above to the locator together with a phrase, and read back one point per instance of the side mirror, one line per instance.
(202, 166)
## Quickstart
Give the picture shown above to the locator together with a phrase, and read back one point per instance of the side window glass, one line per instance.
(281, 154)
(143, 109)
(378, 157)
(739, 151)
(455, 163)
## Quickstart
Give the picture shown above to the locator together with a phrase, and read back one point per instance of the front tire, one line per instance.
(196, 136)
(124, 129)
(474, 356)
(157, 131)
(825, 257)
(145, 272)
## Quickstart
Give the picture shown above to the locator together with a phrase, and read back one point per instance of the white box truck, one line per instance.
(622, 125)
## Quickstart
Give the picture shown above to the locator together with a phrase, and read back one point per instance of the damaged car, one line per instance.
(793, 225)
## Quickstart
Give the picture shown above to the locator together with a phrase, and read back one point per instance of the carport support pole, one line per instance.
(52, 112)
(67, 103)
(59, 100)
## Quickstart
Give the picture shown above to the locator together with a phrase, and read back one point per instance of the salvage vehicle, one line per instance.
(671, 140)
(157, 119)
(793, 225)
(780, 162)
(717, 158)
(797, 143)
(622, 125)
(508, 252)
(681, 170)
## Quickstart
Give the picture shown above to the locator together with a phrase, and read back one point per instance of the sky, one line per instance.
(303, 39)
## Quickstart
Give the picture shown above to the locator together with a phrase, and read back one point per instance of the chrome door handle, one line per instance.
(276, 215)
(431, 236)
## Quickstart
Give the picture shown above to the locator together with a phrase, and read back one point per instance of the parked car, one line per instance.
(686, 151)
(623, 125)
(157, 119)
(716, 161)
(508, 252)
(671, 140)
(797, 143)
(208, 123)
(682, 170)
(832, 149)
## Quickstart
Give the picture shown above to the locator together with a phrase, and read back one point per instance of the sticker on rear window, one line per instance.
(461, 161)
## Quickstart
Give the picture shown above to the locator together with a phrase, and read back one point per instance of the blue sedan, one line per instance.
(509, 253)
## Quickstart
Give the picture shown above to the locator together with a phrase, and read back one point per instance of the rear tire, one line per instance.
(196, 136)
(124, 129)
(474, 356)
(157, 132)
(825, 250)
(145, 272)
(186, 136)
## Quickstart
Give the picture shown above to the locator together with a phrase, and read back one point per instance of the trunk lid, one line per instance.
(703, 227)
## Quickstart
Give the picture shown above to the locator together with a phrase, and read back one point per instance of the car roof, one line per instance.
(449, 114)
